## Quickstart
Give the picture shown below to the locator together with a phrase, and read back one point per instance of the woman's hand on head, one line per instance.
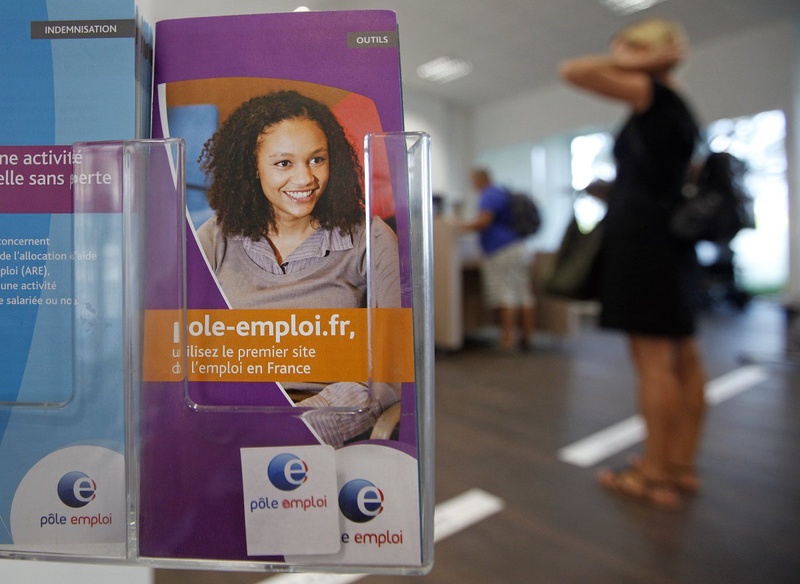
(652, 59)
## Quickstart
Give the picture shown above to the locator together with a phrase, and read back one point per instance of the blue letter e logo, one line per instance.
(287, 472)
(360, 501)
(76, 489)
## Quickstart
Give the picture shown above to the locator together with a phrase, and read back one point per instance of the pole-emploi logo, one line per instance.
(76, 489)
(287, 472)
(360, 501)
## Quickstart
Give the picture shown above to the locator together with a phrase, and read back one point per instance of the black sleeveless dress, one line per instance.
(648, 278)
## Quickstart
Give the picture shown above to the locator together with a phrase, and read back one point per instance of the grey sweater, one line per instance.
(329, 271)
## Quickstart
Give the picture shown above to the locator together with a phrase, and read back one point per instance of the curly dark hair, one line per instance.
(229, 161)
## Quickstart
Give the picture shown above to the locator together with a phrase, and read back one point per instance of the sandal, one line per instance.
(682, 476)
(634, 484)
(685, 479)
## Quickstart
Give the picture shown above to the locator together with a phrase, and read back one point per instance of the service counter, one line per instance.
(459, 311)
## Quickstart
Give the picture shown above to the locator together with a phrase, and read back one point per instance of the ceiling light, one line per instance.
(628, 6)
(444, 69)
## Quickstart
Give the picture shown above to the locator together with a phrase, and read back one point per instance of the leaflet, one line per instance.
(298, 350)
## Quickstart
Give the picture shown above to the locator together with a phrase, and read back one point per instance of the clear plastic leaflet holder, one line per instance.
(131, 374)
(226, 418)
(235, 417)
(128, 206)
(404, 159)
(67, 441)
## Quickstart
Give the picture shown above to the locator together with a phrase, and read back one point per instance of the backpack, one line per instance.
(525, 217)
(719, 206)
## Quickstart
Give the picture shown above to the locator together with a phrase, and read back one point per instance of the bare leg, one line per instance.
(660, 398)
(671, 396)
(693, 407)
(528, 323)
(508, 326)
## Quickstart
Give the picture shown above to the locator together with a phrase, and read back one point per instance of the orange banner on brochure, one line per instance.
(314, 345)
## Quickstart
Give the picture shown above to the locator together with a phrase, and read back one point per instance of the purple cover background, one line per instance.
(48, 199)
(190, 498)
(220, 46)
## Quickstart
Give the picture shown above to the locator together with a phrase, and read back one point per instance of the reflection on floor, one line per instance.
(502, 420)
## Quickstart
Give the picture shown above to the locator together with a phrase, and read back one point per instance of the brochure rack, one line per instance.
(156, 435)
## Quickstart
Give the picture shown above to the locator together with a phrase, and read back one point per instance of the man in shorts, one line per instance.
(505, 269)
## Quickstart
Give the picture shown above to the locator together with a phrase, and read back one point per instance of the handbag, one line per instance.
(719, 206)
(698, 217)
(575, 271)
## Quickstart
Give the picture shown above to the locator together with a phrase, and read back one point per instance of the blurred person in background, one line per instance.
(505, 268)
(648, 278)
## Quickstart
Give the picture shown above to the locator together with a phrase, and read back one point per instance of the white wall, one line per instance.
(744, 74)
(793, 152)
(449, 128)
(735, 76)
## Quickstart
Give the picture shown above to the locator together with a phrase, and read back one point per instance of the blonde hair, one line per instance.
(653, 32)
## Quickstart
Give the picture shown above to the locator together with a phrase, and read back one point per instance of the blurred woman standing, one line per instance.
(648, 278)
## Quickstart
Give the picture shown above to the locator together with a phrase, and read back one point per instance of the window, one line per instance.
(761, 254)
(592, 158)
